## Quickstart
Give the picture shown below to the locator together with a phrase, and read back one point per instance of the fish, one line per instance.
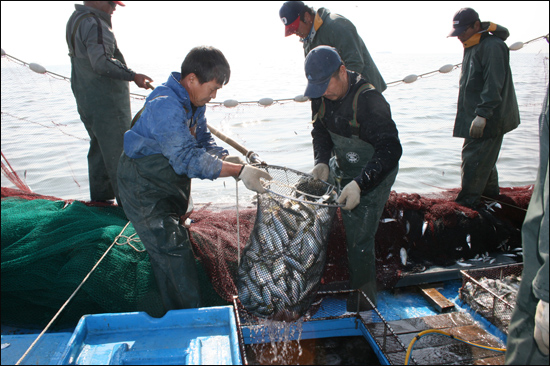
(461, 263)
(469, 241)
(284, 258)
(403, 255)
(424, 227)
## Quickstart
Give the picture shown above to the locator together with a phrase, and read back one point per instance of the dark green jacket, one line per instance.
(486, 86)
(338, 32)
(99, 75)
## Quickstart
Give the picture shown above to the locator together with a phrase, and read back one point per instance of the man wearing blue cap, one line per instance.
(487, 107)
(356, 146)
(322, 27)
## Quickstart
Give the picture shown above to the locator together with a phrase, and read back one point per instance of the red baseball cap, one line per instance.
(290, 16)
(118, 3)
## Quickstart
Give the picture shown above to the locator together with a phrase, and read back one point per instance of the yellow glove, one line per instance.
(477, 127)
(251, 178)
(320, 171)
(541, 327)
(351, 195)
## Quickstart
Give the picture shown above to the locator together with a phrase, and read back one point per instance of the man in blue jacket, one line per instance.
(99, 80)
(487, 107)
(168, 145)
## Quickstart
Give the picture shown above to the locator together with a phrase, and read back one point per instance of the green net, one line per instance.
(48, 248)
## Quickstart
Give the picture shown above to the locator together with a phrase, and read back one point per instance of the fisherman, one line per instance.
(99, 80)
(487, 106)
(322, 27)
(168, 145)
(528, 330)
(356, 146)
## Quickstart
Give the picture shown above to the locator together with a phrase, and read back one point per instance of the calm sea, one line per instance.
(45, 142)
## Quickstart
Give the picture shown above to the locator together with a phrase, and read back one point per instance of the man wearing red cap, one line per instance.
(487, 107)
(322, 27)
(99, 80)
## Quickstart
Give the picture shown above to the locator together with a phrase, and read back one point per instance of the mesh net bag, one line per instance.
(283, 261)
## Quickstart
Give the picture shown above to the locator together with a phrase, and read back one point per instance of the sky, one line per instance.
(161, 32)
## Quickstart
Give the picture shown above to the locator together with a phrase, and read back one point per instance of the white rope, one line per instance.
(231, 103)
(238, 226)
(71, 297)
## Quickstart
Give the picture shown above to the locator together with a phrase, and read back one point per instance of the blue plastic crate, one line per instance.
(183, 337)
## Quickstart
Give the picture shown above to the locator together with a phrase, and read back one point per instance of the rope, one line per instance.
(129, 240)
(268, 101)
(423, 333)
(238, 226)
(72, 296)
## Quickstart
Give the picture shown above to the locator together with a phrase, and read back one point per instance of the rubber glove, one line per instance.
(541, 327)
(235, 159)
(251, 178)
(351, 195)
(478, 125)
(320, 171)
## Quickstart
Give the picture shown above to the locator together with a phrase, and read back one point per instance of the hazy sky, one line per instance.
(163, 32)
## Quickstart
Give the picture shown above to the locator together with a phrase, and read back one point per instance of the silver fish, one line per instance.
(403, 255)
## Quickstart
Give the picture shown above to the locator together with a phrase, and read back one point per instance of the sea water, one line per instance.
(46, 143)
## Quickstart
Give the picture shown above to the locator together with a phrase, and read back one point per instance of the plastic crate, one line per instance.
(204, 336)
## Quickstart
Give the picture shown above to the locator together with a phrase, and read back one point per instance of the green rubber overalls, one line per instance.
(350, 157)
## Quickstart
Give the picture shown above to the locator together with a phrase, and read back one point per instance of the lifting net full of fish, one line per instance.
(283, 261)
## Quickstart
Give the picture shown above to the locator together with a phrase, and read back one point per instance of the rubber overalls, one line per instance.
(155, 198)
(351, 155)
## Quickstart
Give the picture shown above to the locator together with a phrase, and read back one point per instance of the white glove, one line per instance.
(541, 327)
(478, 125)
(251, 178)
(320, 171)
(235, 159)
(351, 195)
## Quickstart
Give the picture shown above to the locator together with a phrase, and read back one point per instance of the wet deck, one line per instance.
(435, 348)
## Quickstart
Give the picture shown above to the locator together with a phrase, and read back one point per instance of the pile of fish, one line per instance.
(493, 298)
(283, 261)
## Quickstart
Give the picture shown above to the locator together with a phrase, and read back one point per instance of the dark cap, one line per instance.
(290, 15)
(321, 62)
(462, 20)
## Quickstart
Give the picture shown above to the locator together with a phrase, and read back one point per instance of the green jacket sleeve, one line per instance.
(494, 62)
(541, 207)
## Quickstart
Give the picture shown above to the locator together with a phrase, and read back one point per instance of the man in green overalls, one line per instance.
(100, 83)
(356, 146)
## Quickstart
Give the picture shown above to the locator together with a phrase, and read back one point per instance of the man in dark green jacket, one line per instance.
(528, 331)
(324, 28)
(487, 106)
(99, 80)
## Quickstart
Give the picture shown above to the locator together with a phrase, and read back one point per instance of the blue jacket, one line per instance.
(165, 127)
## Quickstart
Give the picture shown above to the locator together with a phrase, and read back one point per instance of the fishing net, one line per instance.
(492, 292)
(50, 245)
(284, 258)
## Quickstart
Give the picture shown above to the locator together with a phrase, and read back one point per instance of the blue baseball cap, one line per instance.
(463, 18)
(321, 62)
(290, 15)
